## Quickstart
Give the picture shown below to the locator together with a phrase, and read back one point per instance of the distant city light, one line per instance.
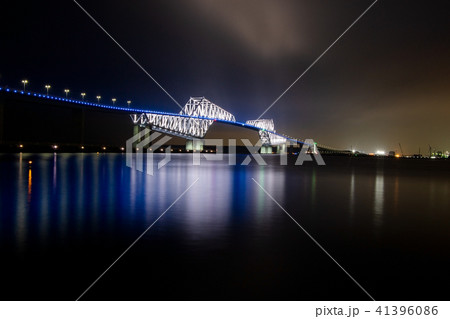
(20, 146)
(55, 147)
(380, 152)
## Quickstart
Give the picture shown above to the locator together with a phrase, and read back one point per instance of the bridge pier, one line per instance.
(195, 145)
(278, 149)
(138, 128)
(135, 129)
(266, 149)
(282, 149)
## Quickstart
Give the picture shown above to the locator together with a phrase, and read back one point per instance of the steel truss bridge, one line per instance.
(192, 122)
(196, 118)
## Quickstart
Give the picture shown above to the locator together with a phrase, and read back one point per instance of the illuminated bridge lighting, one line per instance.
(193, 112)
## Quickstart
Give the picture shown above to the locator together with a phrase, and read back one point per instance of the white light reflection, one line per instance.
(80, 205)
(352, 194)
(44, 198)
(63, 192)
(379, 199)
(21, 210)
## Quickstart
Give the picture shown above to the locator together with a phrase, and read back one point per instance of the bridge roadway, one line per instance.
(145, 114)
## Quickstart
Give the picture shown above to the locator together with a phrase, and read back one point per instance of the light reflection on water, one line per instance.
(352, 193)
(91, 193)
(378, 206)
(21, 208)
(79, 200)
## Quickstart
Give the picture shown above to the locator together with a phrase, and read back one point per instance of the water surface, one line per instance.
(65, 218)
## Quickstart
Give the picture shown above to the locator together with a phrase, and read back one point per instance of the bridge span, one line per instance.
(191, 123)
(197, 116)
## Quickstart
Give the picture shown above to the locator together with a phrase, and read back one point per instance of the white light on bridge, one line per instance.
(47, 87)
(24, 82)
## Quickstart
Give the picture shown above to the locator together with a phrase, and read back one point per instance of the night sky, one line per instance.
(385, 81)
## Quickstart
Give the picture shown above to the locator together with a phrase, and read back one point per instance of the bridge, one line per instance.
(191, 123)
(196, 118)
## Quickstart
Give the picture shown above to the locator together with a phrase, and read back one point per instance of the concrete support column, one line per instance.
(138, 128)
(195, 145)
(266, 149)
(135, 129)
(282, 149)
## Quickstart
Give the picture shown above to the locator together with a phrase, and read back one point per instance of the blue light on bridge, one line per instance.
(135, 110)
